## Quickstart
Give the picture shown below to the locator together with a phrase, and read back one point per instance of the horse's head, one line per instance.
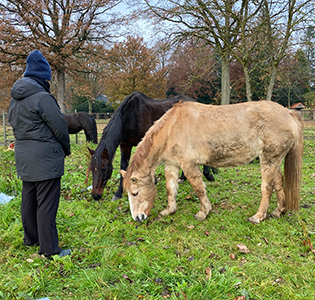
(102, 168)
(141, 194)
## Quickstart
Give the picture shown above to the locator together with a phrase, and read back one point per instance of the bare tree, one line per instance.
(214, 22)
(62, 29)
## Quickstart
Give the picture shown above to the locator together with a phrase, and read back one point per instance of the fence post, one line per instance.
(76, 135)
(4, 129)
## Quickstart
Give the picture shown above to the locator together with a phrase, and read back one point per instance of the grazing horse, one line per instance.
(126, 128)
(82, 120)
(230, 135)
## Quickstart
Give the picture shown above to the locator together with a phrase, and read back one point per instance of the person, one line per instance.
(41, 144)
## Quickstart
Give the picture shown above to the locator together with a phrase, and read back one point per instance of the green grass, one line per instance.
(163, 258)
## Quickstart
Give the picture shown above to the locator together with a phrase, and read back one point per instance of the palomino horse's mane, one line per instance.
(139, 159)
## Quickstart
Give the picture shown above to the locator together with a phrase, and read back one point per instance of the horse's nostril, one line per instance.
(138, 219)
(96, 196)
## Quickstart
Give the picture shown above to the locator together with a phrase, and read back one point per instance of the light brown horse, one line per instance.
(191, 134)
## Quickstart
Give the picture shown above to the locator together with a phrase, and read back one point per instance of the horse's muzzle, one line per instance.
(97, 196)
(140, 218)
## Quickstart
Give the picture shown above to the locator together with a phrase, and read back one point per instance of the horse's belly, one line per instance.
(234, 154)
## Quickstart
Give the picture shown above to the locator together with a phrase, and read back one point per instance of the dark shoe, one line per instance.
(64, 252)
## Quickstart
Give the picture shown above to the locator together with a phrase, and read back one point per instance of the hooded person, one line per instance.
(41, 144)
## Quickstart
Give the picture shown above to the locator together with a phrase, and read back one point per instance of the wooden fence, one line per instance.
(7, 137)
(6, 132)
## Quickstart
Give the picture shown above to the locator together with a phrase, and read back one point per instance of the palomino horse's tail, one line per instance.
(293, 168)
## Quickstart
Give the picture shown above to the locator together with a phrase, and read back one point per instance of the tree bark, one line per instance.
(271, 82)
(225, 80)
(247, 84)
(61, 90)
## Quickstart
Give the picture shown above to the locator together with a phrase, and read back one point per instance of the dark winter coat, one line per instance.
(41, 133)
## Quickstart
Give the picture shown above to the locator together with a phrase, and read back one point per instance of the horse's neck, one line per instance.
(112, 137)
(149, 158)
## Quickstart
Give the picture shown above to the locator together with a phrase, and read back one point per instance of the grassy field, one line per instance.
(175, 257)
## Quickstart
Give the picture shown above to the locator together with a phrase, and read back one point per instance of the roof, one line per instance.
(298, 106)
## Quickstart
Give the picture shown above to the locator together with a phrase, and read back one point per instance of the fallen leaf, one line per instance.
(92, 266)
(240, 298)
(126, 277)
(209, 273)
(131, 243)
(242, 248)
(30, 260)
(140, 239)
(232, 256)
(265, 240)
(279, 280)
(207, 233)
(190, 226)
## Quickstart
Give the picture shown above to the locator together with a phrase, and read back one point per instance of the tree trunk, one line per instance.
(225, 80)
(61, 90)
(90, 106)
(248, 85)
(271, 82)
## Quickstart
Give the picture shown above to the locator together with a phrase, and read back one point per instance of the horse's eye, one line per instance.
(135, 194)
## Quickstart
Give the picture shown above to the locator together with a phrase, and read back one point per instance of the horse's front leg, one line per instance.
(194, 176)
(125, 152)
(171, 177)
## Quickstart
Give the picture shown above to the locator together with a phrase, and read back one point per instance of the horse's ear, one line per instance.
(91, 151)
(123, 173)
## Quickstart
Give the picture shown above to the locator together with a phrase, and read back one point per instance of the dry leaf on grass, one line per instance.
(209, 273)
(242, 248)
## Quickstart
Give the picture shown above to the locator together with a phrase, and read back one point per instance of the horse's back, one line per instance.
(229, 135)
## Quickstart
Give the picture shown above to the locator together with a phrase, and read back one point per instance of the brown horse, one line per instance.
(82, 121)
(230, 135)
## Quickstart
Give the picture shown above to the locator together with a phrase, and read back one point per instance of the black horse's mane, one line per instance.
(113, 132)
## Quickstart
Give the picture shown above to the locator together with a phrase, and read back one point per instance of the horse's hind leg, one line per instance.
(194, 176)
(171, 176)
(207, 173)
(268, 175)
(278, 185)
(182, 178)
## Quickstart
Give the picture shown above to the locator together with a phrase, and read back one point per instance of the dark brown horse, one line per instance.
(82, 121)
(126, 128)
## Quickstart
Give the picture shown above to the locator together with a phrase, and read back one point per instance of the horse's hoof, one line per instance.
(276, 214)
(200, 216)
(115, 198)
(254, 220)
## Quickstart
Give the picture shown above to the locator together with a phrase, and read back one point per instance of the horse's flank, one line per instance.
(191, 134)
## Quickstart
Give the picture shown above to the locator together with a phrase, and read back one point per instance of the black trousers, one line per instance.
(40, 202)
